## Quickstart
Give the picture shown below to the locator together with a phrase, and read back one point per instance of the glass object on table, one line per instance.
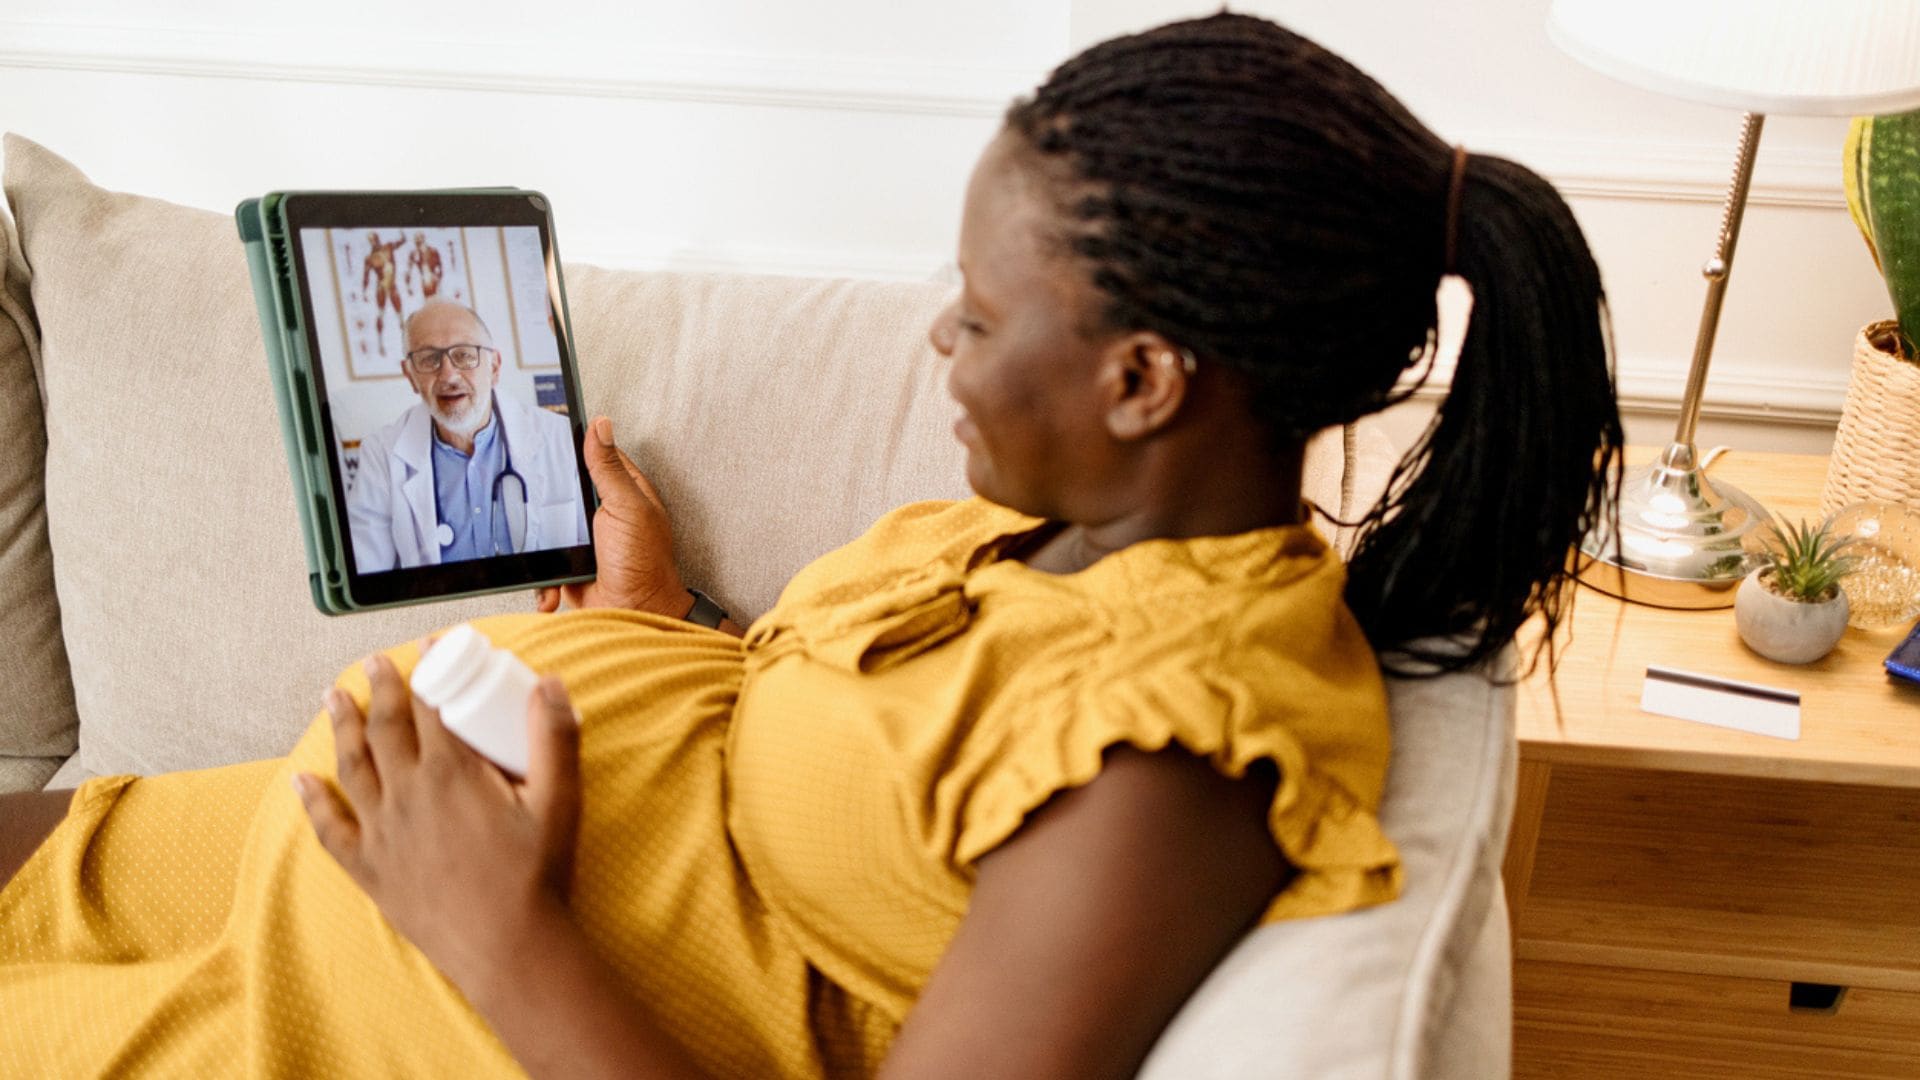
(1884, 587)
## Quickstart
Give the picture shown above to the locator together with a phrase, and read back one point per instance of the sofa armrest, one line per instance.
(38, 721)
(27, 773)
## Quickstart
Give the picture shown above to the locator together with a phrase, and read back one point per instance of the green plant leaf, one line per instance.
(1805, 561)
(1890, 196)
(1859, 138)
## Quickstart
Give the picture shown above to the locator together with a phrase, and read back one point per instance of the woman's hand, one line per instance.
(460, 859)
(632, 540)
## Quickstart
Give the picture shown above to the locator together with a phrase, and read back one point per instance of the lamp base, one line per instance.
(1683, 540)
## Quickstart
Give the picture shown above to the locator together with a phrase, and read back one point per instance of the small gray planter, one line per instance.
(1790, 631)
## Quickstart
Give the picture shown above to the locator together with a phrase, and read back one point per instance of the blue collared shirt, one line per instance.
(463, 489)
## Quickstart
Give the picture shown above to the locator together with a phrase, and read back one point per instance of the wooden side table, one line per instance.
(1690, 900)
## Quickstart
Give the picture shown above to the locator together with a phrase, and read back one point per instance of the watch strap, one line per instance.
(704, 611)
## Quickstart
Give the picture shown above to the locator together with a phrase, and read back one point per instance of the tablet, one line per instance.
(422, 359)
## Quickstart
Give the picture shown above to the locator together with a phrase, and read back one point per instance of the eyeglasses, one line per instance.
(464, 357)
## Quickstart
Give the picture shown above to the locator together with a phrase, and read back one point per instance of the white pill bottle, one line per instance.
(481, 693)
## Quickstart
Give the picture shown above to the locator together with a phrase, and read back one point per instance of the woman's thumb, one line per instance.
(610, 477)
(553, 757)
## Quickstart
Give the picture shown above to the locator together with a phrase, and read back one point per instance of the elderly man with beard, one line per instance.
(467, 472)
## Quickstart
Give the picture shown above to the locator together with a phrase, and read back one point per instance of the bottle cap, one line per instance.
(449, 664)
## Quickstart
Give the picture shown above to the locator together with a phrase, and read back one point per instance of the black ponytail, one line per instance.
(1264, 204)
(1474, 534)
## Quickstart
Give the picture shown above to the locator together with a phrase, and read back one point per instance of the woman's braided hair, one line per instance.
(1262, 203)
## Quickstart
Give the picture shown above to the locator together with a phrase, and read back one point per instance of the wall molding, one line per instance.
(1595, 167)
(572, 68)
(615, 254)
(1814, 397)
(1655, 384)
(1581, 165)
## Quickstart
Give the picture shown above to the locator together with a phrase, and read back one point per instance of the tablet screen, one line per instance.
(447, 398)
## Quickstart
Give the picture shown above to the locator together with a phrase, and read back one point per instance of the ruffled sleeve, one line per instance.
(1323, 725)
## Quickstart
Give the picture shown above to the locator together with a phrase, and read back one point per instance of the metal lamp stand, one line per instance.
(1683, 539)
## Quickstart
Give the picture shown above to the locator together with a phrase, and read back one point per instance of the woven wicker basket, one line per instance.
(1876, 451)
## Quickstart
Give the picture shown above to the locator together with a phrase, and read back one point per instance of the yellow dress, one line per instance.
(778, 837)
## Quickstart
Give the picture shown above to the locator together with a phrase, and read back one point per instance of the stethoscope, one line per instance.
(515, 510)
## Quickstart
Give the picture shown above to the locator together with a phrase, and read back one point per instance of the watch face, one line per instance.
(705, 612)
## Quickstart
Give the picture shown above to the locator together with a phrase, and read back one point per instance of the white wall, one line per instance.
(834, 137)
(733, 134)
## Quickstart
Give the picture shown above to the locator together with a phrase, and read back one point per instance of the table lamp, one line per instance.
(1682, 539)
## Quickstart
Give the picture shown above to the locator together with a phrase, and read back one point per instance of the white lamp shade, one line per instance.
(1808, 57)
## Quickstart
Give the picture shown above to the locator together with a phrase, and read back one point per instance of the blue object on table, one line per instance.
(1904, 661)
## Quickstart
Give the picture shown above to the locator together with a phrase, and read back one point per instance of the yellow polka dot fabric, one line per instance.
(777, 840)
(914, 695)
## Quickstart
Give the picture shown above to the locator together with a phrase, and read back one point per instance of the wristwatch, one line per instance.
(704, 611)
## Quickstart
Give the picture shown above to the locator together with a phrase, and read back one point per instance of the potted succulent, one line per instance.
(1880, 420)
(1791, 608)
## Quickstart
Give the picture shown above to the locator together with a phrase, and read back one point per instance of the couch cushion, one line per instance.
(182, 588)
(37, 720)
(779, 417)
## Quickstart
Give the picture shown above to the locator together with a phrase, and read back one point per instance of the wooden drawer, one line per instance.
(1670, 914)
(1579, 1022)
(1755, 879)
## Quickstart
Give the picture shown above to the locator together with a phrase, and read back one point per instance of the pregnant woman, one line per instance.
(991, 789)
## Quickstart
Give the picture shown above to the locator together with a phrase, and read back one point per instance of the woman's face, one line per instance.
(1024, 375)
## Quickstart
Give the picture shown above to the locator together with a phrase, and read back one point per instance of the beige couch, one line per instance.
(154, 613)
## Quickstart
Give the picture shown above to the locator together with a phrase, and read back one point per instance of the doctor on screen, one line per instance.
(466, 473)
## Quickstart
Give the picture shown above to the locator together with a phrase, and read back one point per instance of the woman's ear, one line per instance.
(1144, 379)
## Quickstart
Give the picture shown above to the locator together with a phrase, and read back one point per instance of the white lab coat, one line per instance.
(391, 509)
